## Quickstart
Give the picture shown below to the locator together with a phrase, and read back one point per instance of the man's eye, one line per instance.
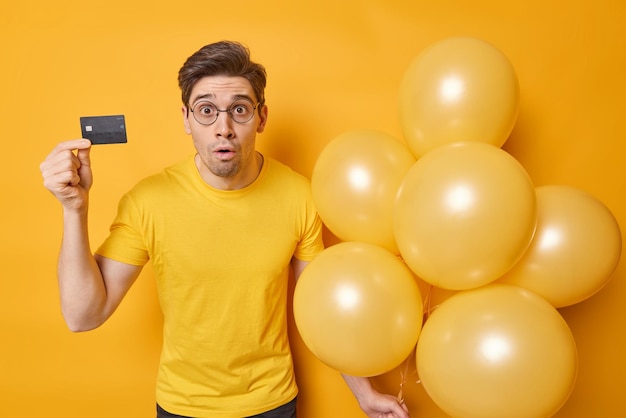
(206, 110)
(240, 109)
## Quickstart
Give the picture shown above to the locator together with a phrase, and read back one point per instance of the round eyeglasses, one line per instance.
(241, 111)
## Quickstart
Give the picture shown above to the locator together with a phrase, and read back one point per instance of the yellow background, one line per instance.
(334, 66)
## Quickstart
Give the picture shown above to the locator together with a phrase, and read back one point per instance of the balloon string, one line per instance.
(403, 377)
(428, 307)
(427, 302)
(404, 373)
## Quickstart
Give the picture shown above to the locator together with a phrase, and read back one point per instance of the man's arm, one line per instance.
(372, 402)
(90, 288)
(298, 267)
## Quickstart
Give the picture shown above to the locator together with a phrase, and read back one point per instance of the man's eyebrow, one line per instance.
(241, 96)
(234, 97)
(203, 96)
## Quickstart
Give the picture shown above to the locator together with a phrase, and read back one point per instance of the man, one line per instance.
(221, 229)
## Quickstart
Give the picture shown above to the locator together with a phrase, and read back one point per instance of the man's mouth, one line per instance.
(224, 153)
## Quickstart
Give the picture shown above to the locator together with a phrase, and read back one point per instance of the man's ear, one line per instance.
(262, 119)
(185, 112)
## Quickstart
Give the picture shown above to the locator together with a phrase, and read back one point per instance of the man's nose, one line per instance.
(224, 125)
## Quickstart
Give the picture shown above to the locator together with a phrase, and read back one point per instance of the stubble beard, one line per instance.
(227, 168)
(224, 169)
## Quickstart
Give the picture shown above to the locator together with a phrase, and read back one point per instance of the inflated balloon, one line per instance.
(354, 184)
(575, 250)
(499, 351)
(464, 215)
(458, 89)
(358, 309)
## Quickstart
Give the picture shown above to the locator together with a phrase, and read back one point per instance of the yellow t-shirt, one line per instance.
(221, 260)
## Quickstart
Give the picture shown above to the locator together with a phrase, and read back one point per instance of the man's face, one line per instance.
(226, 149)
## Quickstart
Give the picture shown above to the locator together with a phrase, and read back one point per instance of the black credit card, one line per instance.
(104, 129)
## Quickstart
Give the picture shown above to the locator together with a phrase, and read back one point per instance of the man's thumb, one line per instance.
(83, 156)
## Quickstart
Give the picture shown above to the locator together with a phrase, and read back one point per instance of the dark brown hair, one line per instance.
(226, 58)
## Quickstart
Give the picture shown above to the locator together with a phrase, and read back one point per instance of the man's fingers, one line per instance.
(73, 144)
(62, 167)
(400, 410)
(63, 148)
(403, 405)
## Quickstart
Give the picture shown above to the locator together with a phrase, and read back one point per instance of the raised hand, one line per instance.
(67, 173)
